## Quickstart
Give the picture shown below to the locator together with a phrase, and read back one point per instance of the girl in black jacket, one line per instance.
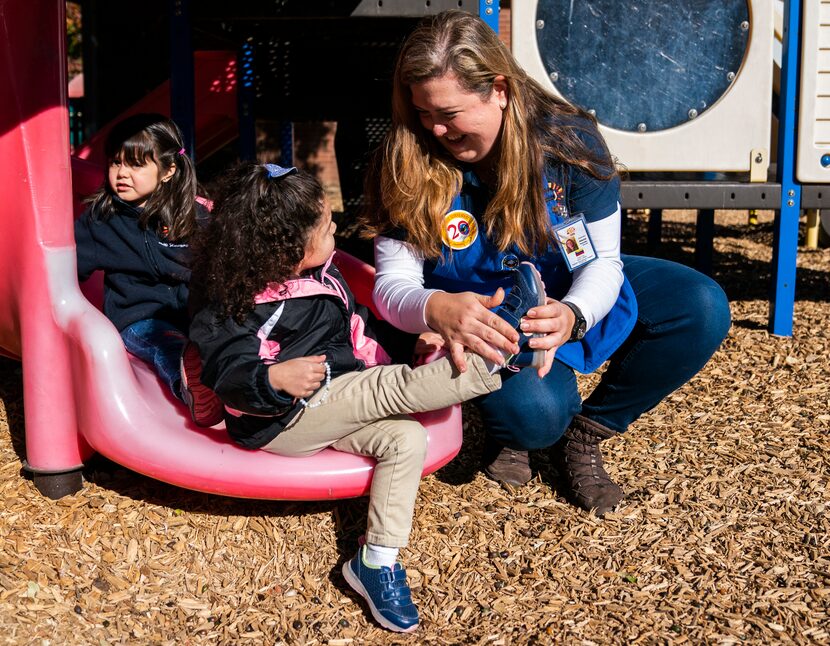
(286, 349)
(136, 230)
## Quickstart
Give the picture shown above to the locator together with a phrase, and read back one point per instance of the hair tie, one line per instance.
(182, 151)
(275, 172)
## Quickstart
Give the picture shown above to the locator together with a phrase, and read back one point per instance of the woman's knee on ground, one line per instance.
(538, 428)
(540, 435)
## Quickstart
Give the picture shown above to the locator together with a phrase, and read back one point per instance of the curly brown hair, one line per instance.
(256, 237)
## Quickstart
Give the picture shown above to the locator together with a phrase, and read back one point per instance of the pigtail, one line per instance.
(172, 206)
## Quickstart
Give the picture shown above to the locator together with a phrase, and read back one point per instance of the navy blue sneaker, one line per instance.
(528, 291)
(385, 590)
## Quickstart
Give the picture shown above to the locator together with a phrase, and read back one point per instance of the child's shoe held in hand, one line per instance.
(385, 590)
(528, 291)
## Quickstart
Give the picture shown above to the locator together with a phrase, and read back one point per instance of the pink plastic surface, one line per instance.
(82, 392)
(214, 83)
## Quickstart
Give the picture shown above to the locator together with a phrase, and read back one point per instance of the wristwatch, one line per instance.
(580, 326)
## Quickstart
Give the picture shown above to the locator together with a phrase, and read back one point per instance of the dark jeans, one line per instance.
(683, 318)
(160, 344)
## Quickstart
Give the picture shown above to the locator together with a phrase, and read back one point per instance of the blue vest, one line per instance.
(482, 268)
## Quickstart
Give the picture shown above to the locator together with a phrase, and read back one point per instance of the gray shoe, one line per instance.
(579, 461)
(510, 467)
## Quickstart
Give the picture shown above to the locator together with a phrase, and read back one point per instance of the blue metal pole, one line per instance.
(182, 84)
(245, 103)
(488, 11)
(785, 237)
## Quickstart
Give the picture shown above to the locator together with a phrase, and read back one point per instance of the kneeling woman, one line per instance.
(484, 169)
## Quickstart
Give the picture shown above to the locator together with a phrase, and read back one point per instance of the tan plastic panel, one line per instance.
(721, 139)
(814, 99)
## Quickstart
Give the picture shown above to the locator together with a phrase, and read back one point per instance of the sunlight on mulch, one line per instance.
(723, 537)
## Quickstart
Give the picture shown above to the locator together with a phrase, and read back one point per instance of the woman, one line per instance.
(483, 169)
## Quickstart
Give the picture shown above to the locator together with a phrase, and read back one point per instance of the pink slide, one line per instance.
(82, 392)
(214, 85)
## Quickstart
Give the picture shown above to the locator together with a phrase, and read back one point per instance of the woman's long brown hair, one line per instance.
(412, 179)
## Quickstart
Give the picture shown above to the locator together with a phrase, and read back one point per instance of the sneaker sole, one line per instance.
(357, 586)
(205, 420)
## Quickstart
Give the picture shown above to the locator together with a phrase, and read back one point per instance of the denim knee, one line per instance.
(679, 304)
(160, 344)
(714, 316)
(531, 413)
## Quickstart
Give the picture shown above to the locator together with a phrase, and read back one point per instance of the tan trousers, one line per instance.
(367, 413)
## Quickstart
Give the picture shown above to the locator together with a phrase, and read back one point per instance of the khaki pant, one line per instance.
(367, 413)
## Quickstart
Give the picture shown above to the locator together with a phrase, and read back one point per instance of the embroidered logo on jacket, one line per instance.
(557, 197)
(459, 229)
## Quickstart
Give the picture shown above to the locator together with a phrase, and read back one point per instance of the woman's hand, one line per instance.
(555, 321)
(466, 323)
(298, 377)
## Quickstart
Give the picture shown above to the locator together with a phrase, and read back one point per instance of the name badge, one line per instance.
(459, 229)
(574, 242)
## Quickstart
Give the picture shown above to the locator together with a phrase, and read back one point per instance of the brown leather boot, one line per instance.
(510, 466)
(578, 459)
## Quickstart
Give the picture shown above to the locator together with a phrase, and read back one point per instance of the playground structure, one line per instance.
(84, 394)
(699, 98)
(714, 107)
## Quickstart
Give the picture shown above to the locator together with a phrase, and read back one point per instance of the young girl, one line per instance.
(284, 347)
(136, 230)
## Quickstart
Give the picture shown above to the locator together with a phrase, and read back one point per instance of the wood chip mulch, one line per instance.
(723, 537)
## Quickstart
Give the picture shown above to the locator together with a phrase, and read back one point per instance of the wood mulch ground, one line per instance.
(723, 538)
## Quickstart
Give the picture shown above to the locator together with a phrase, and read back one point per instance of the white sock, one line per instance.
(379, 555)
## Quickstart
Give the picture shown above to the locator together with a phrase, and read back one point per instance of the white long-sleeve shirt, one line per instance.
(401, 298)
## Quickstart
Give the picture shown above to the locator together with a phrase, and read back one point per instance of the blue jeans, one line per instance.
(683, 318)
(160, 344)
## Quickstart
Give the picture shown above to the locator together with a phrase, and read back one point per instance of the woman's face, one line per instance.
(462, 122)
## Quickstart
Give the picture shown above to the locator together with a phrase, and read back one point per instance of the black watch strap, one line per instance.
(580, 325)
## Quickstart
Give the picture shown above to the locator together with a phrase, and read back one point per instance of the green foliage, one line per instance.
(73, 31)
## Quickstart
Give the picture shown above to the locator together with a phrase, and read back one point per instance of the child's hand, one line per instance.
(429, 342)
(298, 377)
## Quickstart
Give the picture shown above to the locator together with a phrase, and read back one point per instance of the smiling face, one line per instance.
(320, 244)
(135, 184)
(466, 124)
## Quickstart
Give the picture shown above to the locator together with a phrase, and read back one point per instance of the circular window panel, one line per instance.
(642, 66)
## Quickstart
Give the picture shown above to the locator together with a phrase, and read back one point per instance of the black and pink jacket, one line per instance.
(311, 315)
